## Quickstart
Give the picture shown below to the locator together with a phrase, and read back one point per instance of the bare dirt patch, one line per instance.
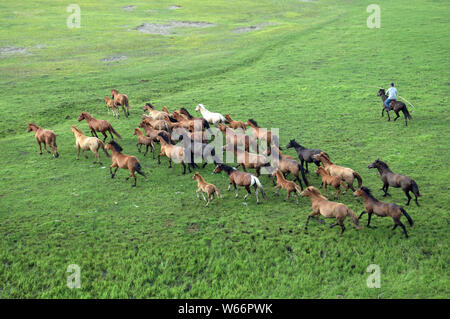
(252, 27)
(12, 51)
(167, 28)
(114, 58)
(129, 8)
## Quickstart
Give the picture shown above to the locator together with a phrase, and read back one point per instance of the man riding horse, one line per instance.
(392, 95)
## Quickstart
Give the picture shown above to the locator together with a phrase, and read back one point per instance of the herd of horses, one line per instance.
(184, 139)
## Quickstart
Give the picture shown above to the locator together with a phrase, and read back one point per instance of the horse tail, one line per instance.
(138, 170)
(354, 218)
(103, 147)
(300, 167)
(406, 113)
(255, 180)
(415, 188)
(217, 191)
(114, 131)
(358, 177)
(410, 221)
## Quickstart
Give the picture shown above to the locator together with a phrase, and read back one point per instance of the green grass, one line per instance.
(313, 73)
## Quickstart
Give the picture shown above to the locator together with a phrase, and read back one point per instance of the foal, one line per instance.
(287, 164)
(327, 179)
(235, 124)
(122, 100)
(144, 140)
(242, 179)
(381, 209)
(287, 185)
(123, 161)
(322, 206)
(84, 143)
(205, 187)
(46, 137)
(345, 173)
(98, 125)
(390, 178)
(111, 105)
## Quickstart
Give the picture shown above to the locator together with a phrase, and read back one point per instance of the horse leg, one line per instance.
(138, 147)
(78, 153)
(409, 197)
(307, 170)
(389, 118)
(170, 163)
(258, 171)
(417, 203)
(382, 112)
(363, 212)
(334, 224)
(299, 181)
(115, 171)
(159, 158)
(105, 136)
(84, 154)
(235, 189)
(403, 227)
(184, 168)
(386, 187)
(248, 192)
(341, 223)
(45, 147)
(146, 149)
(368, 221)
(309, 217)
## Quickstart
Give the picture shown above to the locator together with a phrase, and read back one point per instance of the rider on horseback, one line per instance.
(392, 95)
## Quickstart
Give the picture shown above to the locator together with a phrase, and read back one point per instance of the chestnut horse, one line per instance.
(122, 100)
(262, 134)
(232, 137)
(123, 161)
(173, 152)
(242, 179)
(248, 160)
(205, 187)
(327, 179)
(374, 206)
(144, 140)
(287, 185)
(322, 206)
(98, 125)
(235, 124)
(84, 143)
(111, 105)
(346, 174)
(390, 178)
(155, 114)
(46, 137)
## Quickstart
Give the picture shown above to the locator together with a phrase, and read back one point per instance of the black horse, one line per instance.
(390, 178)
(305, 154)
(397, 106)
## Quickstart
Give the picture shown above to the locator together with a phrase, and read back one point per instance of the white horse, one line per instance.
(211, 117)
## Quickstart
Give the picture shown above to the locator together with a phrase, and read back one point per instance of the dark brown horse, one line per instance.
(374, 206)
(397, 106)
(306, 155)
(243, 179)
(101, 126)
(390, 178)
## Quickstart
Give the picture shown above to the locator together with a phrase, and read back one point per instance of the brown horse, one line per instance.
(156, 124)
(235, 124)
(242, 179)
(397, 106)
(194, 124)
(205, 187)
(346, 174)
(287, 164)
(84, 143)
(381, 209)
(173, 152)
(98, 125)
(327, 179)
(155, 114)
(322, 206)
(390, 178)
(46, 137)
(287, 185)
(262, 134)
(248, 160)
(111, 105)
(123, 161)
(144, 140)
(122, 100)
(231, 137)
(153, 133)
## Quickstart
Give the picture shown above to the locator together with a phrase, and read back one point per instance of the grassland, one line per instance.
(313, 73)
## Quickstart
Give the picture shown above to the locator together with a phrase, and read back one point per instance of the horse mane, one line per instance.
(383, 164)
(228, 117)
(164, 137)
(227, 168)
(316, 192)
(368, 193)
(185, 112)
(77, 129)
(150, 105)
(116, 146)
(253, 122)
